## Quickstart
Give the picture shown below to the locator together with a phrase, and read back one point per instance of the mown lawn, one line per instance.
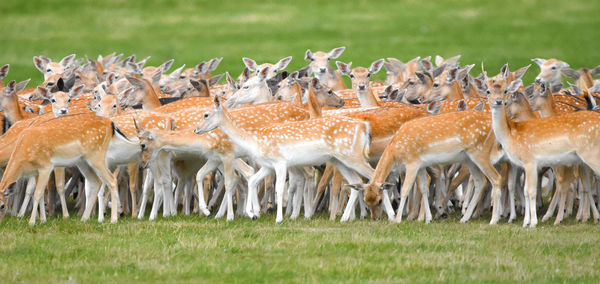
(200, 249)
(196, 248)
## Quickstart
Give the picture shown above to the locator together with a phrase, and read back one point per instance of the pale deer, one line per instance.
(319, 66)
(550, 70)
(286, 146)
(48, 67)
(272, 68)
(584, 77)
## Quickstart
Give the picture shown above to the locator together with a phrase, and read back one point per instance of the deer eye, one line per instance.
(245, 87)
(553, 68)
(50, 84)
(143, 146)
(52, 100)
(488, 92)
(330, 92)
(114, 106)
(69, 100)
(369, 75)
(410, 83)
(351, 76)
(48, 70)
(379, 203)
(435, 85)
(206, 115)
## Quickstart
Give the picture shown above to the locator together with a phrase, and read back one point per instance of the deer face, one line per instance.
(550, 70)
(211, 119)
(60, 100)
(254, 90)
(417, 88)
(373, 196)
(327, 97)
(319, 61)
(148, 146)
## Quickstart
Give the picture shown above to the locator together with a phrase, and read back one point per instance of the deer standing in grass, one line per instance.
(286, 146)
(557, 141)
(79, 140)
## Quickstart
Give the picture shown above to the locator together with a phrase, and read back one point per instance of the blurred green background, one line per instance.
(494, 32)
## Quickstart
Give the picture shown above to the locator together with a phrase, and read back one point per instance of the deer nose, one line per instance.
(63, 111)
(538, 80)
(322, 70)
(362, 87)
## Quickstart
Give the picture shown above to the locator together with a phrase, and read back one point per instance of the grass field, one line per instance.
(195, 248)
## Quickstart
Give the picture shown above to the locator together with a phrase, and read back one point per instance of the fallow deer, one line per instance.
(319, 66)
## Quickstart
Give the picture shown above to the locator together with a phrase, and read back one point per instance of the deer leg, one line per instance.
(253, 188)
(280, 177)
(531, 181)
(479, 184)
(59, 177)
(148, 183)
(407, 185)
(43, 177)
(134, 176)
(28, 193)
(208, 167)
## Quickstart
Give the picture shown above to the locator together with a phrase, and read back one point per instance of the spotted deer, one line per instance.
(556, 141)
(319, 66)
(457, 137)
(584, 77)
(287, 146)
(78, 140)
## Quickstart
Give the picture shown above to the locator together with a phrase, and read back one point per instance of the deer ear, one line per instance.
(479, 106)
(43, 92)
(136, 82)
(514, 86)
(250, 64)
(336, 52)
(67, 60)
(167, 65)
(398, 63)
(570, 73)
(557, 87)
(595, 71)
(439, 60)
(217, 102)
(75, 92)
(308, 56)
(315, 83)
(125, 95)
(519, 73)
(245, 74)
(39, 64)
(214, 63)
(421, 77)
(230, 80)
(343, 67)
(215, 79)
(282, 64)
(452, 75)
(426, 65)
(4, 71)
(504, 71)
(21, 86)
(539, 61)
(262, 75)
(196, 84)
(10, 88)
(376, 66)
(433, 108)
(200, 68)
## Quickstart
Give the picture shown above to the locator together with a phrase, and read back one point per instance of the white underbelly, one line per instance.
(568, 158)
(443, 158)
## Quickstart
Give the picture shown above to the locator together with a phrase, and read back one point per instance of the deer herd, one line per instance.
(432, 136)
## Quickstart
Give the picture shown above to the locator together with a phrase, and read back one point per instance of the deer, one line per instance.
(543, 101)
(13, 109)
(78, 140)
(319, 66)
(283, 147)
(526, 144)
(48, 67)
(399, 72)
(360, 81)
(584, 77)
(550, 70)
(215, 147)
(272, 68)
(3, 72)
(60, 100)
(420, 143)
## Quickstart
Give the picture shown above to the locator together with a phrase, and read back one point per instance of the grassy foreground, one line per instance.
(195, 248)
(203, 249)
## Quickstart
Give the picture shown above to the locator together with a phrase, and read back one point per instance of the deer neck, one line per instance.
(235, 133)
(314, 109)
(501, 124)
(384, 166)
(585, 81)
(456, 93)
(151, 100)
(13, 112)
(367, 98)
(549, 108)
(180, 140)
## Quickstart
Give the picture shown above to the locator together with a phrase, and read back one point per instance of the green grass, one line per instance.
(195, 248)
